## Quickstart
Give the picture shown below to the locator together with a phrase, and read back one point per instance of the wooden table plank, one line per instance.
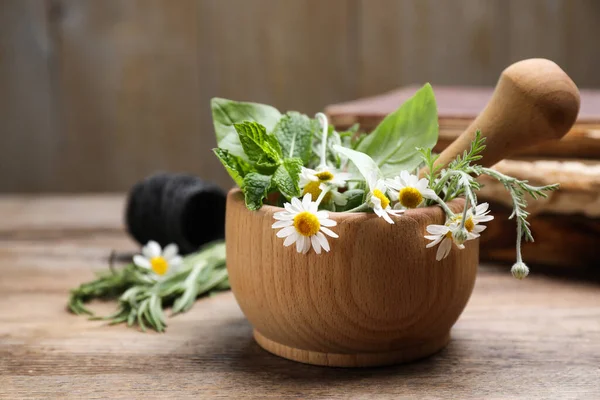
(539, 338)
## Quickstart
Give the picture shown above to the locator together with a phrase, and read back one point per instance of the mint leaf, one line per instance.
(257, 144)
(393, 144)
(226, 113)
(255, 187)
(294, 132)
(286, 177)
(236, 167)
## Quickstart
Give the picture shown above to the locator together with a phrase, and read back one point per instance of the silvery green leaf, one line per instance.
(393, 144)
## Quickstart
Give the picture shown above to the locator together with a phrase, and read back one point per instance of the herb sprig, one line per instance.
(142, 299)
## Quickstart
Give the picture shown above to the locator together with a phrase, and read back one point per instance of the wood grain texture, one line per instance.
(95, 95)
(378, 297)
(535, 339)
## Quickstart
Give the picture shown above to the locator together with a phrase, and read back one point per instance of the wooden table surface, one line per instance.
(539, 338)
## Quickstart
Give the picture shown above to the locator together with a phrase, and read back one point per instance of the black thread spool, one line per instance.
(176, 208)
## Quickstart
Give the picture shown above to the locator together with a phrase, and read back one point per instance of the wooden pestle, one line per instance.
(534, 101)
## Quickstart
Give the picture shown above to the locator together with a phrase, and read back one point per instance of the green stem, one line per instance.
(323, 120)
(362, 207)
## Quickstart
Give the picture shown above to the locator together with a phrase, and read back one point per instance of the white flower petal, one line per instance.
(297, 204)
(437, 229)
(141, 261)
(483, 218)
(170, 251)
(283, 216)
(436, 240)
(152, 249)
(444, 249)
(327, 222)
(306, 245)
(322, 214)
(329, 232)
(306, 201)
(175, 261)
(300, 243)
(315, 244)
(323, 241)
(387, 218)
(481, 208)
(285, 232)
(428, 194)
(282, 224)
(290, 239)
(479, 228)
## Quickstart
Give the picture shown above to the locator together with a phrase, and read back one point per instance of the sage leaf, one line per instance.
(393, 144)
(287, 176)
(294, 132)
(255, 187)
(235, 166)
(257, 144)
(226, 113)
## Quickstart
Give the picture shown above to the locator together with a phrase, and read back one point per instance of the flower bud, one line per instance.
(519, 270)
(459, 235)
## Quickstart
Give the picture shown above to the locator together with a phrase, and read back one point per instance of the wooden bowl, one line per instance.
(378, 297)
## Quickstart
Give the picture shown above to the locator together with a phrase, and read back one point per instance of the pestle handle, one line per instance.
(534, 101)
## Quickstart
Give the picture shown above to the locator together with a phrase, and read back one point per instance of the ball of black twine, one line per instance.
(176, 208)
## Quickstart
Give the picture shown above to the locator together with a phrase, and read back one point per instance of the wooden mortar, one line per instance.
(379, 296)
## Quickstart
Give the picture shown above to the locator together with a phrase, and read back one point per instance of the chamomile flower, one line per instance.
(303, 224)
(314, 181)
(442, 234)
(159, 261)
(473, 221)
(409, 190)
(378, 200)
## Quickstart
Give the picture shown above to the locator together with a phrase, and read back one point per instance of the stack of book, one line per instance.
(567, 223)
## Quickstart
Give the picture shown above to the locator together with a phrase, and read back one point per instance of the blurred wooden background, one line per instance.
(96, 94)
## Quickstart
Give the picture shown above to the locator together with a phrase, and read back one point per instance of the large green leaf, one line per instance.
(226, 113)
(294, 132)
(393, 144)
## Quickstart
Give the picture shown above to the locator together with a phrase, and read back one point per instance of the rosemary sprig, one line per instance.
(142, 299)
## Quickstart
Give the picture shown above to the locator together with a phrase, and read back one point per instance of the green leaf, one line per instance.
(236, 167)
(257, 144)
(393, 144)
(366, 165)
(286, 177)
(294, 132)
(226, 113)
(354, 197)
(255, 187)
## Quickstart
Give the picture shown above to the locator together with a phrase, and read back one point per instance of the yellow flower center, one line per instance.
(306, 223)
(315, 191)
(469, 224)
(324, 176)
(410, 197)
(385, 202)
(159, 265)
